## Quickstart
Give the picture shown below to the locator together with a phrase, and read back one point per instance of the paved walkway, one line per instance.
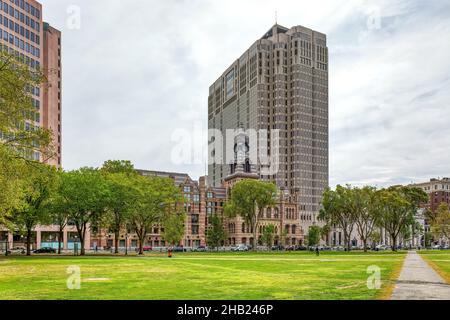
(418, 281)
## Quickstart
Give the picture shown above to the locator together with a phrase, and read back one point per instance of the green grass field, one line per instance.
(440, 261)
(202, 276)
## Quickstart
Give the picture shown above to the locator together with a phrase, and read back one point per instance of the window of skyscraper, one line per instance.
(230, 84)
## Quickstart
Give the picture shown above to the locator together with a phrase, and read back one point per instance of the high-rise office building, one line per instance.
(52, 92)
(24, 34)
(280, 84)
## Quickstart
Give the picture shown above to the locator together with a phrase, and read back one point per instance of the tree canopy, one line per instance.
(247, 197)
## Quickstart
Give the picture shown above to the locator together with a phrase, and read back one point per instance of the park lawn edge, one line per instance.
(388, 290)
(436, 268)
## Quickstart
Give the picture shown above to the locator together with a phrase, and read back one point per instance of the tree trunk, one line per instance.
(347, 239)
(61, 235)
(255, 224)
(365, 244)
(141, 235)
(82, 234)
(141, 245)
(28, 242)
(116, 241)
(394, 243)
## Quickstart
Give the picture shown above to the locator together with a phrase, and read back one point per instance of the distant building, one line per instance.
(24, 34)
(280, 84)
(438, 191)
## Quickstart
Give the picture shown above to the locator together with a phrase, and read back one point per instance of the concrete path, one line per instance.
(418, 281)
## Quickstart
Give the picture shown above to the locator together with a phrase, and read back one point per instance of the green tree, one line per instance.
(121, 197)
(215, 233)
(339, 209)
(314, 234)
(428, 239)
(173, 228)
(85, 194)
(375, 237)
(38, 187)
(156, 201)
(19, 137)
(118, 166)
(247, 196)
(268, 235)
(58, 214)
(399, 206)
(18, 113)
(366, 204)
(440, 226)
(11, 174)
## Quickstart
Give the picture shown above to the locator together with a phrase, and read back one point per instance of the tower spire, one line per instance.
(276, 17)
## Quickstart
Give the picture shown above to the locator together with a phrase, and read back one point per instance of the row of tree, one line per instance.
(113, 198)
(440, 222)
(367, 209)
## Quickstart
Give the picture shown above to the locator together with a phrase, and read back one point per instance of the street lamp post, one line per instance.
(126, 244)
(75, 246)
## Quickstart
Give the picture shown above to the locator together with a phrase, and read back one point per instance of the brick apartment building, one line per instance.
(23, 33)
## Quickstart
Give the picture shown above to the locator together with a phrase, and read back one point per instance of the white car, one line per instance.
(381, 247)
(241, 247)
(18, 250)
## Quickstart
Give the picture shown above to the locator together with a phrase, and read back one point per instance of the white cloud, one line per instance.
(138, 70)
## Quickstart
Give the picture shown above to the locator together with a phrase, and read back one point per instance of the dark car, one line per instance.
(301, 248)
(178, 249)
(277, 248)
(45, 250)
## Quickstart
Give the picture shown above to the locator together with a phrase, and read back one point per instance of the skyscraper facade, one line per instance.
(52, 92)
(24, 34)
(279, 88)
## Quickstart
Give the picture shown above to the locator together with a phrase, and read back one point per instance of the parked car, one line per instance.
(178, 249)
(200, 249)
(381, 247)
(18, 250)
(277, 248)
(45, 250)
(437, 247)
(301, 248)
(147, 248)
(241, 247)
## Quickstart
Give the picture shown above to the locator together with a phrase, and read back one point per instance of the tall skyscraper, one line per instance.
(24, 34)
(52, 93)
(280, 84)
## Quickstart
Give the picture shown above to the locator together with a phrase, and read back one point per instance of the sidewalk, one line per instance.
(418, 281)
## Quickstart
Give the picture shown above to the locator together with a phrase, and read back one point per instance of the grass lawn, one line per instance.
(439, 261)
(199, 276)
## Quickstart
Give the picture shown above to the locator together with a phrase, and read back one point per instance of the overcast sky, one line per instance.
(138, 71)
